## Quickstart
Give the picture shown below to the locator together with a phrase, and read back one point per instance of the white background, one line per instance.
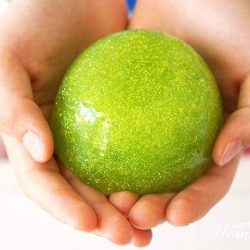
(24, 226)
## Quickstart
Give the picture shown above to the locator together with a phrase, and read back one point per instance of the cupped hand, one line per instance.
(39, 41)
(219, 31)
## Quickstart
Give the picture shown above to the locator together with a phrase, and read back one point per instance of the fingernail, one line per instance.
(35, 145)
(232, 149)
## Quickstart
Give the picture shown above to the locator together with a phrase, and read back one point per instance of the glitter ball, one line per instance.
(137, 111)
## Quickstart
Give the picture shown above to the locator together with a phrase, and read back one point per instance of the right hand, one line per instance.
(219, 31)
(39, 40)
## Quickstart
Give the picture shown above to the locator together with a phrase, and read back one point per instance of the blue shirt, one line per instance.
(131, 4)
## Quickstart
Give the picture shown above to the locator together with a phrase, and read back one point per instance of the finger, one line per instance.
(149, 211)
(21, 118)
(141, 238)
(123, 201)
(111, 223)
(43, 183)
(196, 200)
(234, 137)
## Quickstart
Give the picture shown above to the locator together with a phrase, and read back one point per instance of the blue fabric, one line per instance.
(131, 4)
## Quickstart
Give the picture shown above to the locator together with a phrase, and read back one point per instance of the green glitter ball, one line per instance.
(138, 111)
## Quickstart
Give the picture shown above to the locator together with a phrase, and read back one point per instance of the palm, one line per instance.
(225, 48)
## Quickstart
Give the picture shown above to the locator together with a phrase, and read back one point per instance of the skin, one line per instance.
(34, 57)
(222, 37)
(38, 64)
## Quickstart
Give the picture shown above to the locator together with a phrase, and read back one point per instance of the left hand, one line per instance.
(34, 56)
(219, 31)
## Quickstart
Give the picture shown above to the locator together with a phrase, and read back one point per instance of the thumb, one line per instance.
(20, 117)
(234, 137)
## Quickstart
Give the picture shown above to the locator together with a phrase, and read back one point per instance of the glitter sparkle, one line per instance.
(137, 111)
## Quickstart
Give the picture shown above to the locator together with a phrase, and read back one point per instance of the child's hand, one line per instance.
(39, 40)
(220, 31)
